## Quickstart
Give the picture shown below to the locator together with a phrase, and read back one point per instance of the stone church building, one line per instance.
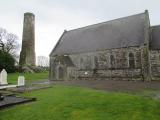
(126, 49)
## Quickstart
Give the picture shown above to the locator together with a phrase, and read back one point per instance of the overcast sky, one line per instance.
(54, 16)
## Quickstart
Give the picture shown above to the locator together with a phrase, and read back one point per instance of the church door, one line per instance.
(60, 73)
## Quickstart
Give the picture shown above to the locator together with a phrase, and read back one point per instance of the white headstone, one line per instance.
(21, 81)
(3, 77)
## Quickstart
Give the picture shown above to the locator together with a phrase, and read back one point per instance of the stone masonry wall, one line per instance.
(98, 65)
(27, 54)
(155, 64)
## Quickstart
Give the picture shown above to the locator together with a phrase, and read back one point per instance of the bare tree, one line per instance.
(11, 45)
(8, 42)
(42, 61)
(3, 33)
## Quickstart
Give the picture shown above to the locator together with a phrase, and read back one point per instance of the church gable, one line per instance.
(123, 32)
(117, 49)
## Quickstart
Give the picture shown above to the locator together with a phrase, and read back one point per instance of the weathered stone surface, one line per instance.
(85, 66)
(94, 54)
(155, 64)
(27, 55)
(27, 69)
(3, 77)
(21, 81)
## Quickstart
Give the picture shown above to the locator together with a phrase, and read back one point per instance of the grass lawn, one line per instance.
(13, 77)
(75, 103)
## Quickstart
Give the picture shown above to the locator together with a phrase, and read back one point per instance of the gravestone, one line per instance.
(1, 97)
(3, 77)
(21, 81)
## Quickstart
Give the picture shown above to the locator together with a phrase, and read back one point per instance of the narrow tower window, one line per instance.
(112, 61)
(131, 60)
(96, 62)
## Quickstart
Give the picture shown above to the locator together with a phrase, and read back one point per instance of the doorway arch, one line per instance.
(60, 73)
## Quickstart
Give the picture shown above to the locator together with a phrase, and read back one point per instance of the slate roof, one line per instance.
(122, 32)
(155, 38)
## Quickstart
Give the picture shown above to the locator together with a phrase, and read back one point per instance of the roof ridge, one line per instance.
(58, 42)
(155, 26)
(126, 32)
(104, 22)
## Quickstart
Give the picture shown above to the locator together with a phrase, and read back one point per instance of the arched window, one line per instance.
(131, 60)
(112, 61)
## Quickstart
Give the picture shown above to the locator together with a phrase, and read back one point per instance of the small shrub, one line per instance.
(38, 69)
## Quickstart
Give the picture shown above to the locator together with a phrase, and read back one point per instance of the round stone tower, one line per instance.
(27, 55)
